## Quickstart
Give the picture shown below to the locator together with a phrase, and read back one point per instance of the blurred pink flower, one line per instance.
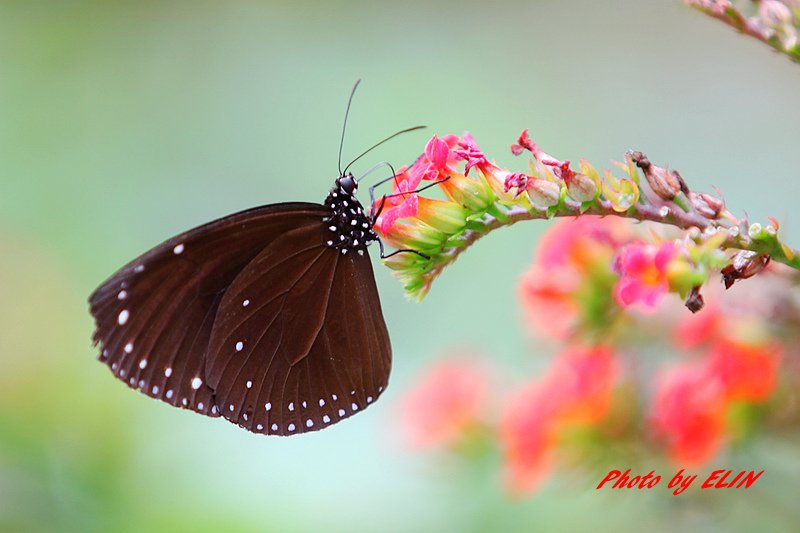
(688, 413)
(643, 274)
(527, 436)
(568, 258)
(584, 380)
(577, 390)
(699, 329)
(444, 403)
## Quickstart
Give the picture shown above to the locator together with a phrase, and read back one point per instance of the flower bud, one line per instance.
(745, 264)
(543, 193)
(418, 236)
(695, 301)
(709, 206)
(447, 217)
(582, 188)
(775, 14)
(666, 184)
(472, 194)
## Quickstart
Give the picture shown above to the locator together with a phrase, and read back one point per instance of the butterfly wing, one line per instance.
(309, 349)
(155, 315)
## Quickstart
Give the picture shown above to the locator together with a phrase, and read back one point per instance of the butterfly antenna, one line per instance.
(344, 126)
(368, 150)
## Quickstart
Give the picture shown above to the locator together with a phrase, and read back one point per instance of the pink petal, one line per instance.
(664, 255)
(627, 291)
(634, 260)
(652, 296)
(436, 151)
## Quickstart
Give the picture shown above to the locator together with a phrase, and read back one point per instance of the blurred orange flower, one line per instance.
(747, 372)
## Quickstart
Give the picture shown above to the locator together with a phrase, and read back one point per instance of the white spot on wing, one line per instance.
(129, 347)
(170, 393)
(123, 317)
(168, 372)
(321, 402)
(239, 346)
(326, 419)
(291, 406)
(309, 423)
(122, 295)
(143, 363)
(291, 427)
(268, 406)
(245, 303)
(249, 384)
(196, 382)
(341, 412)
(178, 249)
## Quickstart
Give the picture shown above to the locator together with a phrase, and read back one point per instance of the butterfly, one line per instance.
(269, 317)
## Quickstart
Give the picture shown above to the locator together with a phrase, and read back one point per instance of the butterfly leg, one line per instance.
(384, 255)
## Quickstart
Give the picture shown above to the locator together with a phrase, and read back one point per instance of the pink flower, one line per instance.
(572, 260)
(445, 403)
(688, 414)
(643, 274)
(404, 205)
(468, 151)
(438, 161)
(747, 372)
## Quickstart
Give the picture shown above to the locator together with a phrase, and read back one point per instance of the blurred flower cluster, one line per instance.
(775, 22)
(636, 376)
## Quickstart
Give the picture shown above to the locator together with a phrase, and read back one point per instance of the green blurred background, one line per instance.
(123, 123)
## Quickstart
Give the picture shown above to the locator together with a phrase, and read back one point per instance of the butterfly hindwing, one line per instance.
(299, 342)
(154, 317)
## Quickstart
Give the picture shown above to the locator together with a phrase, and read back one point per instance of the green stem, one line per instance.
(757, 239)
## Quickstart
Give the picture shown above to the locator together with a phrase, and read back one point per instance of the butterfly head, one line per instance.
(347, 184)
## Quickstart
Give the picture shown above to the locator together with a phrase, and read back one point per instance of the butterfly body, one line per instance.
(269, 317)
(350, 227)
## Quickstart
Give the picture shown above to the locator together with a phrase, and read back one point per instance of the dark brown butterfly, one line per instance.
(269, 317)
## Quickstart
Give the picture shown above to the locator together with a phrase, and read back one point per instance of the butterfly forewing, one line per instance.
(155, 315)
(310, 348)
